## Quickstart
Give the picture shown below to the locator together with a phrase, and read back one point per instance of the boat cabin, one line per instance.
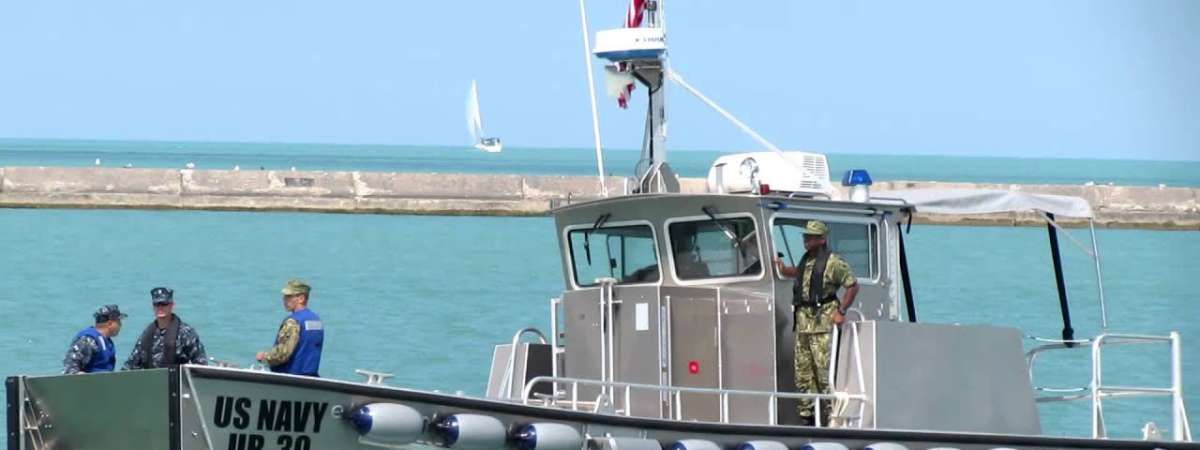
(694, 296)
(672, 308)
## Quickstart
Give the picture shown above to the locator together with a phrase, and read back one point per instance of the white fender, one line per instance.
(472, 431)
(763, 445)
(387, 423)
(695, 444)
(548, 436)
(885, 446)
(625, 443)
(824, 446)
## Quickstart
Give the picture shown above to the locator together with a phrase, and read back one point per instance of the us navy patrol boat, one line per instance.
(674, 331)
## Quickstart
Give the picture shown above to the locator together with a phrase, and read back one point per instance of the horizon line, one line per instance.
(351, 144)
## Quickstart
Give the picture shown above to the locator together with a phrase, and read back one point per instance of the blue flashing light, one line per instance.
(856, 177)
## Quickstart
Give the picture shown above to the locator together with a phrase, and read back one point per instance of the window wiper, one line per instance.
(587, 235)
(728, 233)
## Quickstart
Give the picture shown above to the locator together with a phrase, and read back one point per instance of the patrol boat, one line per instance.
(673, 332)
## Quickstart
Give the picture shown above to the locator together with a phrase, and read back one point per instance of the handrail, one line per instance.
(1097, 391)
(511, 369)
(676, 391)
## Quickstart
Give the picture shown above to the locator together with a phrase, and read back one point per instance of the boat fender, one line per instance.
(763, 445)
(943, 448)
(695, 444)
(824, 446)
(471, 431)
(885, 446)
(548, 436)
(624, 443)
(387, 423)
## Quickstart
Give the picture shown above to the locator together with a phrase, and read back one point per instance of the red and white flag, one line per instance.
(633, 19)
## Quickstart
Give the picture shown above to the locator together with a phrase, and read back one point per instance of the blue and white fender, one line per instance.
(548, 436)
(389, 424)
(471, 432)
(695, 444)
(763, 445)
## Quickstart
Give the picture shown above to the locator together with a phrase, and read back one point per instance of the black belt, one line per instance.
(819, 304)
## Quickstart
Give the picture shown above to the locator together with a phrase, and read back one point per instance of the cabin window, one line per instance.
(626, 254)
(715, 248)
(856, 242)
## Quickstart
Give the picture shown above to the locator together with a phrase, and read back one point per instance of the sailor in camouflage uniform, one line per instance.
(817, 311)
(93, 350)
(167, 340)
(301, 336)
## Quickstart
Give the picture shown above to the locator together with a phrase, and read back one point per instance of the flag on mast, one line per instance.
(633, 19)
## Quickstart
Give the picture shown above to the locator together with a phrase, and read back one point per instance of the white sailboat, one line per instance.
(475, 125)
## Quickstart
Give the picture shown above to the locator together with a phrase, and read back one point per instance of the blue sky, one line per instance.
(1108, 79)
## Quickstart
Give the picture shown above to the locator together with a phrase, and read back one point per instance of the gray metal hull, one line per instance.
(213, 408)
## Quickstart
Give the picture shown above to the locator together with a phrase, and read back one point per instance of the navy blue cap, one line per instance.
(107, 313)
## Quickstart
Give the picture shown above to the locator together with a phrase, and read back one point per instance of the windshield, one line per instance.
(625, 253)
(855, 242)
(713, 249)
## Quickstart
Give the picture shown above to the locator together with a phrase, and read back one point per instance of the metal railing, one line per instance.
(1097, 391)
(856, 358)
(31, 419)
(510, 369)
(676, 394)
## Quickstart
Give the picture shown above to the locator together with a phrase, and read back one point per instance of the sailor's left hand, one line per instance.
(260, 356)
(838, 318)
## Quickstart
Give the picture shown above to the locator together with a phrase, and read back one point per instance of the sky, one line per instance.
(1023, 78)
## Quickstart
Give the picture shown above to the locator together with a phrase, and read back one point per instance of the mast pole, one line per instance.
(587, 57)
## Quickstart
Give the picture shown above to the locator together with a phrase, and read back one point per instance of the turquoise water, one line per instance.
(427, 297)
(572, 161)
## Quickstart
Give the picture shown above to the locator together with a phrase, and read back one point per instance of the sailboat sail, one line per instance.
(474, 123)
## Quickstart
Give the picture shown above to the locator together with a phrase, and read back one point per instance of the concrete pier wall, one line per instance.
(478, 194)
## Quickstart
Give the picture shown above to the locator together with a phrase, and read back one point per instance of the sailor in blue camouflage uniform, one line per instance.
(93, 350)
(167, 341)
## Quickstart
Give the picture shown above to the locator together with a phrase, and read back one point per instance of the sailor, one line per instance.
(816, 311)
(298, 343)
(167, 341)
(689, 265)
(93, 349)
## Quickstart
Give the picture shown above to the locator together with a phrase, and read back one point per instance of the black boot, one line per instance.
(807, 421)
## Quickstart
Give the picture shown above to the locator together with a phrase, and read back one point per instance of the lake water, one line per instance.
(427, 297)
(573, 161)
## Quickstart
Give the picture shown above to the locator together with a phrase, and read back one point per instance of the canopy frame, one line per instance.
(969, 202)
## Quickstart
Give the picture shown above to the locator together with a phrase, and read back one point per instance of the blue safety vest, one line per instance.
(306, 358)
(106, 358)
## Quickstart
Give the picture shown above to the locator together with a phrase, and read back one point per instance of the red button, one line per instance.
(693, 367)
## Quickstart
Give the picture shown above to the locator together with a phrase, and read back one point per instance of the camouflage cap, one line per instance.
(816, 228)
(107, 313)
(162, 295)
(296, 286)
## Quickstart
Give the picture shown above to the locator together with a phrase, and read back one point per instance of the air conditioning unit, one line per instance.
(780, 172)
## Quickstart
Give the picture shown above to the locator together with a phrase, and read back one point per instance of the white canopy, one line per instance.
(984, 201)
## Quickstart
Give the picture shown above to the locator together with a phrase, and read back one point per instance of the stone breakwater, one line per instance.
(480, 194)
